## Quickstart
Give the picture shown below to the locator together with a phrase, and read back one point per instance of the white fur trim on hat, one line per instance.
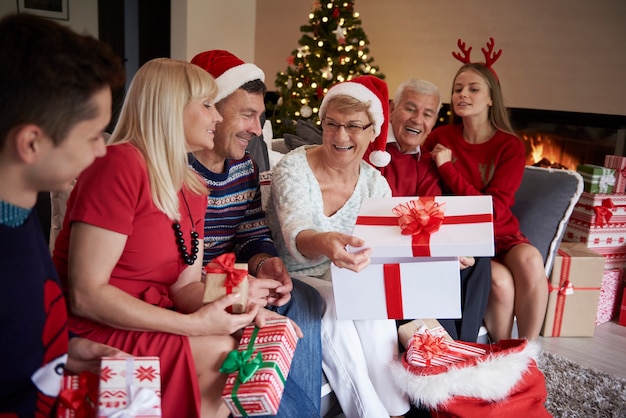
(230, 80)
(491, 379)
(361, 93)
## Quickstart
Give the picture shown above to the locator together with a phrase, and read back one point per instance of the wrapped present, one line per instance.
(399, 288)
(222, 276)
(621, 319)
(440, 226)
(79, 396)
(618, 163)
(130, 386)
(258, 369)
(599, 222)
(608, 295)
(425, 350)
(434, 327)
(597, 179)
(574, 292)
(600, 210)
(614, 257)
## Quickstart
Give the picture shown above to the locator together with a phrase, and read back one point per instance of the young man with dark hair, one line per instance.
(55, 102)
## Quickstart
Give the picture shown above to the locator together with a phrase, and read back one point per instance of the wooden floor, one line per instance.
(605, 351)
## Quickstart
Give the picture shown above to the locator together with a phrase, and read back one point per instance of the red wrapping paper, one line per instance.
(261, 366)
(608, 295)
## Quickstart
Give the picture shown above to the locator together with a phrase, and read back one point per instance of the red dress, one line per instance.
(114, 193)
(492, 168)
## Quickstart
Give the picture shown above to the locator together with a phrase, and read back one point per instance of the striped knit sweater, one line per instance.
(234, 219)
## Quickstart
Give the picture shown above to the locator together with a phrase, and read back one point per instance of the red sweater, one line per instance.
(409, 174)
(492, 168)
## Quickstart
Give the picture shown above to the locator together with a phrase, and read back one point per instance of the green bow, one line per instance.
(240, 361)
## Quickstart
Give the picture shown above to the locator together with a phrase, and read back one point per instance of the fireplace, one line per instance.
(565, 139)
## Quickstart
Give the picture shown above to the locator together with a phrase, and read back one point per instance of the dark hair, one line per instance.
(255, 86)
(49, 74)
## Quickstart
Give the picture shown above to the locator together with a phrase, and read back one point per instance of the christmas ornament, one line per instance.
(306, 111)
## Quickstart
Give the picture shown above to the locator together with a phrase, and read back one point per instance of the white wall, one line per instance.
(557, 55)
(200, 25)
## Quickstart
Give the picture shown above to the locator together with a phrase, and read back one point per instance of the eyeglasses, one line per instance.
(351, 128)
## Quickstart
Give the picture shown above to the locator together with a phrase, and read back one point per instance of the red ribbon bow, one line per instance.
(429, 346)
(420, 217)
(225, 264)
(82, 400)
(604, 212)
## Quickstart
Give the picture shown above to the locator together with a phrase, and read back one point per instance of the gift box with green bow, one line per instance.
(258, 369)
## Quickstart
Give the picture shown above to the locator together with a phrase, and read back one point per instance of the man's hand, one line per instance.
(84, 355)
(273, 268)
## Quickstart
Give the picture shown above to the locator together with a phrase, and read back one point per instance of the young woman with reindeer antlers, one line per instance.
(482, 155)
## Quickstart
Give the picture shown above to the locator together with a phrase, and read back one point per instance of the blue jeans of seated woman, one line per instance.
(303, 388)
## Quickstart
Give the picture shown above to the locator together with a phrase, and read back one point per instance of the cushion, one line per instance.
(543, 205)
(307, 133)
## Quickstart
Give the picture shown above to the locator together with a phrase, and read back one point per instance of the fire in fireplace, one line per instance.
(565, 139)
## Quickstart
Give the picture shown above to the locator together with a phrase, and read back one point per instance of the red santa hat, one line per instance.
(229, 72)
(368, 88)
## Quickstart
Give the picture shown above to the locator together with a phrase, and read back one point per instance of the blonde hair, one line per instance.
(348, 104)
(152, 120)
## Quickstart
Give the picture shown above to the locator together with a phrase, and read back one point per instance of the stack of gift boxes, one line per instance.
(597, 225)
(413, 240)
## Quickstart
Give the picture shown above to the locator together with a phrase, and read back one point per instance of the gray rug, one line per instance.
(576, 392)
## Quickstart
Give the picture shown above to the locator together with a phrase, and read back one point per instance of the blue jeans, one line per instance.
(302, 395)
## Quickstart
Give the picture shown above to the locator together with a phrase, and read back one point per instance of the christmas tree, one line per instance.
(333, 48)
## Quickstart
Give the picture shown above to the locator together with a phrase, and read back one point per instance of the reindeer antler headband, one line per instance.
(491, 56)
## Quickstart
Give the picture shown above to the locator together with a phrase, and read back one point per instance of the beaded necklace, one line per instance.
(188, 258)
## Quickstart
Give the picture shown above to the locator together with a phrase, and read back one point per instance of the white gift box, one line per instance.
(466, 227)
(130, 386)
(399, 288)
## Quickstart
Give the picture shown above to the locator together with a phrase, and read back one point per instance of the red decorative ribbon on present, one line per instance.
(604, 212)
(421, 218)
(246, 366)
(564, 289)
(393, 291)
(81, 401)
(225, 264)
(429, 346)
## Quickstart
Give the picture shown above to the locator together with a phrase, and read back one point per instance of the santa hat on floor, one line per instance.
(368, 88)
(229, 72)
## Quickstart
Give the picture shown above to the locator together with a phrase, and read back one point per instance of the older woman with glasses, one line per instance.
(316, 194)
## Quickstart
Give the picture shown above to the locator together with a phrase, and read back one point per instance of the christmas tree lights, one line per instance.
(333, 48)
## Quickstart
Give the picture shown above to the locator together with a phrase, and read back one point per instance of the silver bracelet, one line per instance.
(258, 266)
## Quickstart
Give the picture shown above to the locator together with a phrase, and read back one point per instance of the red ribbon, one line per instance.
(393, 291)
(81, 401)
(604, 212)
(225, 264)
(421, 218)
(560, 299)
(429, 346)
